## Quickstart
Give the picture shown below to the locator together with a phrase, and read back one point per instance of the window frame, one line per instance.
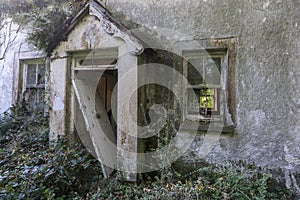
(97, 54)
(36, 85)
(25, 87)
(206, 53)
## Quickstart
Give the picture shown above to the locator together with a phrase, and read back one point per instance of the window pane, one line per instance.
(98, 61)
(212, 70)
(193, 101)
(31, 74)
(195, 71)
(208, 99)
(207, 102)
(41, 74)
(203, 101)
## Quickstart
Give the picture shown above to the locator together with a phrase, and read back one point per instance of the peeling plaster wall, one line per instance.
(7, 64)
(13, 47)
(267, 71)
(58, 73)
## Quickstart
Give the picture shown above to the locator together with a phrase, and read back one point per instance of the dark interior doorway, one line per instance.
(105, 89)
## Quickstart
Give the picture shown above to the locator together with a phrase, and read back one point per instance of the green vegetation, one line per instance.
(47, 19)
(33, 169)
(230, 182)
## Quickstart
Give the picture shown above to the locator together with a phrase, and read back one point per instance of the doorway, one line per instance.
(104, 96)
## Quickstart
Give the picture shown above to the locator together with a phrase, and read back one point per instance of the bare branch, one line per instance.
(9, 37)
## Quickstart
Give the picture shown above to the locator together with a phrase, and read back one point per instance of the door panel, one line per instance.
(96, 119)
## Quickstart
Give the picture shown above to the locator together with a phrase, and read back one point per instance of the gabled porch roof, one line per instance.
(109, 24)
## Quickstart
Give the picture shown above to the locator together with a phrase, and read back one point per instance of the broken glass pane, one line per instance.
(41, 74)
(207, 102)
(31, 74)
(202, 100)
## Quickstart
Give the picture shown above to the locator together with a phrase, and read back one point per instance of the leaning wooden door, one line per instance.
(96, 120)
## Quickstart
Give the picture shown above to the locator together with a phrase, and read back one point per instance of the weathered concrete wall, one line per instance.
(267, 71)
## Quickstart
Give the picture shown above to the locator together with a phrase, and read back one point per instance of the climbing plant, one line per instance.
(45, 20)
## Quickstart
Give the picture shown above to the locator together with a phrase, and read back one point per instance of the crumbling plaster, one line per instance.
(13, 48)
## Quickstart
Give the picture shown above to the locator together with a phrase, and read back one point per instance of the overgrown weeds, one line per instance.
(31, 169)
(230, 181)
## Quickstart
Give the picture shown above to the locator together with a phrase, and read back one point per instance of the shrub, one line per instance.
(230, 181)
(32, 169)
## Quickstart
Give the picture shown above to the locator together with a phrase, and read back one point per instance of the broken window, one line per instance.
(34, 91)
(203, 71)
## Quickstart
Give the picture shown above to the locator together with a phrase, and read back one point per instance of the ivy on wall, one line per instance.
(44, 19)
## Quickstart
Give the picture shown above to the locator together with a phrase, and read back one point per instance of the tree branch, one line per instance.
(9, 39)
